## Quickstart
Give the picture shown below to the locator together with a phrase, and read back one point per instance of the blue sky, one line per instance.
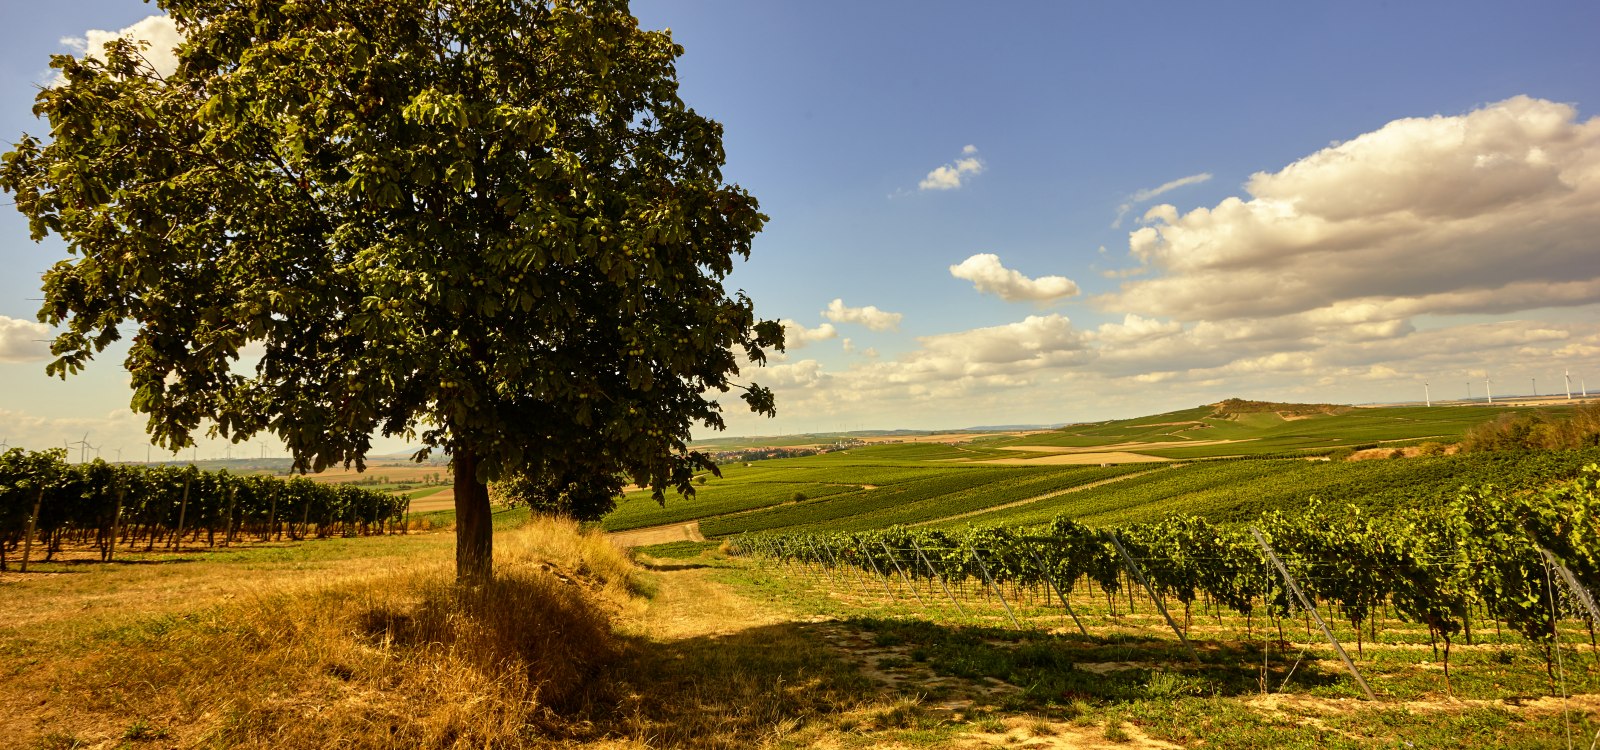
(1364, 197)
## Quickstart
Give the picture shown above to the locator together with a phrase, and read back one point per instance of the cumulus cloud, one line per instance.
(949, 176)
(990, 277)
(23, 340)
(796, 335)
(1134, 328)
(1147, 194)
(1035, 341)
(869, 316)
(1491, 211)
(160, 31)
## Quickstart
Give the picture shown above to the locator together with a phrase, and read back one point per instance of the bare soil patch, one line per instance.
(444, 499)
(393, 472)
(1019, 503)
(1022, 733)
(672, 532)
(950, 438)
(1076, 459)
(1116, 446)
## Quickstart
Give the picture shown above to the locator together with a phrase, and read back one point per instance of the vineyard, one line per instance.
(1239, 490)
(880, 486)
(1489, 566)
(48, 502)
(1274, 428)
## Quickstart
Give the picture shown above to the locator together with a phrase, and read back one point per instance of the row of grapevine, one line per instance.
(46, 501)
(1478, 556)
(1238, 491)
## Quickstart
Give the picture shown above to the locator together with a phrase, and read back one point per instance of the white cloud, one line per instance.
(160, 31)
(869, 316)
(807, 373)
(1146, 194)
(1035, 341)
(949, 176)
(989, 276)
(1492, 211)
(119, 430)
(1134, 328)
(796, 335)
(23, 341)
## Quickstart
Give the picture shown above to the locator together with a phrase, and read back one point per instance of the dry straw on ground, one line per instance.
(400, 659)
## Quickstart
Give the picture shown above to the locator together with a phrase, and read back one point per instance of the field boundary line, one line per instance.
(1047, 496)
(748, 511)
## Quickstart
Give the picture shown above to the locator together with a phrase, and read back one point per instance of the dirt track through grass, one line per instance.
(664, 534)
(1031, 500)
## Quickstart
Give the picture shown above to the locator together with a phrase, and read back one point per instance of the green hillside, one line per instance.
(1238, 428)
(998, 481)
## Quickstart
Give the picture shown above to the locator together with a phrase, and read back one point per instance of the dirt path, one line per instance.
(1113, 447)
(694, 607)
(672, 532)
(690, 604)
(1075, 459)
(1021, 503)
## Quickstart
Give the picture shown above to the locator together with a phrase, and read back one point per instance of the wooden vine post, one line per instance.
(881, 577)
(935, 574)
(272, 520)
(909, 583)
(1051, 581)
(116, 521)
(1294, 588)
(1577, 589)
(1134, 571)
(990, 580)
(227, 533)
(183, 511)
(33, 526)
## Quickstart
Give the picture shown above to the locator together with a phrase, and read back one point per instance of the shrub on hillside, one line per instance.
(1539, 430)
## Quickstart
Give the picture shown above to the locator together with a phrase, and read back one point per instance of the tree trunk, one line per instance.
(474, 524)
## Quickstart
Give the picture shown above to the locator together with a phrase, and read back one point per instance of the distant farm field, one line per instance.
(1224, 462)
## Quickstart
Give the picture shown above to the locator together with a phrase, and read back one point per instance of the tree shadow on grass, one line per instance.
(734, 690)
(762, 684)
(665, 565)
(1050, 668)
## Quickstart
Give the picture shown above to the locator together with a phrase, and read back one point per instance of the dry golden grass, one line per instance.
(369, 643)
(386, 659)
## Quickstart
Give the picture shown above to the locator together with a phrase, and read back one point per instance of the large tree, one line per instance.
(488, 226)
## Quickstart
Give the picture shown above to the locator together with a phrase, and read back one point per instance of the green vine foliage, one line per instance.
(85, 501)
(1435, 566)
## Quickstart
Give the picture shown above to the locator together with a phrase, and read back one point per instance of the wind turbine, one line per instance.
(83, 448)
(1535, 383)
(1426, 394)
(1568, 376)
(1488, 394)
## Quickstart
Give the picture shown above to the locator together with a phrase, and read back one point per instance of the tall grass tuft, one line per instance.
(404, 659)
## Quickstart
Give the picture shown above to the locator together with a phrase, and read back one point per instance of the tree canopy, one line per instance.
(491, 227)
